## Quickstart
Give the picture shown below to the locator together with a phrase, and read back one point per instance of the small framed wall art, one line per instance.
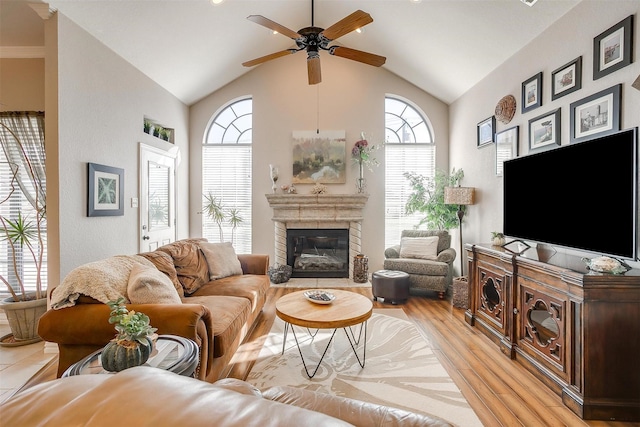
(506, 147)
(532, 93)
(544, 131)
(106, 191)
(485, 131)
(566, 79)
(612, 49)
(598, 114)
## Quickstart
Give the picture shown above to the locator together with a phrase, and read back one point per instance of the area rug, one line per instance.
(401, 370)
(299, 282)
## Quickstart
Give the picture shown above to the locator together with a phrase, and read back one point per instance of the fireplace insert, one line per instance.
(318, 252)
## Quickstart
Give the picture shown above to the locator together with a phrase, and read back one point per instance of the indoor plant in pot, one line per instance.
(133, 342)
(24, 238)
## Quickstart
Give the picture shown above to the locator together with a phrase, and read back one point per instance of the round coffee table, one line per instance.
(171, 353)
(348, 309)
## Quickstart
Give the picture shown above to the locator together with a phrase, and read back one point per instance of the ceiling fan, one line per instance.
(313, 39)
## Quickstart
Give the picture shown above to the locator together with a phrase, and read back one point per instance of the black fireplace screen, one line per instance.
(318, 252)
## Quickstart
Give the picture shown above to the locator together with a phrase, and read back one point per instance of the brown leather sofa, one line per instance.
(145, 396)
(217, 314)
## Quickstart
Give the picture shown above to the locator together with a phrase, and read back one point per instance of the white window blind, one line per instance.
(226, 173)
(409, 148)
(14, 182)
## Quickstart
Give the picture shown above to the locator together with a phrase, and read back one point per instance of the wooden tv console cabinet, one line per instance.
(576, 330)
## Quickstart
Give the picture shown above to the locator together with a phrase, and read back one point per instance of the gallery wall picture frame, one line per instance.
(612, 49)
(566, 79)
(597, 114)
(105, 190)
(532, 93)
(486, 130)
(544, 131)
(506, 147)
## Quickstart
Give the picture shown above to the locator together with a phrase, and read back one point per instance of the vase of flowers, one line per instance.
(362, 154)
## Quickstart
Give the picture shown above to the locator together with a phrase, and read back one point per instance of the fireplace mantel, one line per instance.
(317, 211)
(317, 207)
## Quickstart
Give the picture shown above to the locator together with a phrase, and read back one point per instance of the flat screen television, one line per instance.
(582, 196)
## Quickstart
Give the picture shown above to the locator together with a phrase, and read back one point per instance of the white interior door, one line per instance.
(157, 197)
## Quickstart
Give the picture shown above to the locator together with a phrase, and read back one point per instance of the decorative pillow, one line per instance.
(148, 285)
(221, 259)
(190, 264)
(419, 247)
(164, 263)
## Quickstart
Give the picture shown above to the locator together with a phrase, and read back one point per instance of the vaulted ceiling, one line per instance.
(193, 47)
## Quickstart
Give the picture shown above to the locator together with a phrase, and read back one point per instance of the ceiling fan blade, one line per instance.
(274, 26)
(269, 57)
(358, 55)
(313, 69)
(357, 19)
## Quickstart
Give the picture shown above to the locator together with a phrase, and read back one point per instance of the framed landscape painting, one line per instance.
(319, 157)
(598, 114)
(544, 131)
(106, 191)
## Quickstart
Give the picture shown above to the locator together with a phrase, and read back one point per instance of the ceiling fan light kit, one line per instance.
(314, 39)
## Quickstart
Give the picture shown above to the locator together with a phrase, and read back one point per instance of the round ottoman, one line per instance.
(391, 285)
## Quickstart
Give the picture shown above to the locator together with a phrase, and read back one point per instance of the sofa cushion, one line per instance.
(251, 286)
(417, 266)
(419, 247)
(229, 316)
(164, 263)
(190, 264)
(148, 285)
(221, 260)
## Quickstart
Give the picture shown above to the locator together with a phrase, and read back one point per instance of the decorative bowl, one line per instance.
(319, 296)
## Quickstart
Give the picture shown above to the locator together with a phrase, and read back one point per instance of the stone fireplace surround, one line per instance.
(317, 211)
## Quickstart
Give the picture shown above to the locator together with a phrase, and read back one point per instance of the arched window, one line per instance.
(226, 176)
(409, 147)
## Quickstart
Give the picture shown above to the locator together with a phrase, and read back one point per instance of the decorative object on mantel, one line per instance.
(280, 273)
(319, 189)
(273, 173)
(133, 342)
(363, 156)
(605, 264)
(505, 109)
(288, 189)
(461, 196)
(497, 238)
(360, 268)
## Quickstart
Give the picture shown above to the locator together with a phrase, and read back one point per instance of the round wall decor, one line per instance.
(505, 109)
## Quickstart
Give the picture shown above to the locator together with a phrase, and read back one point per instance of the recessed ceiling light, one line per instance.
(529, 2)
(216, 1)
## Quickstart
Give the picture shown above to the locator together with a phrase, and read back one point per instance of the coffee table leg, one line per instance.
(302, 356)
(355, 342)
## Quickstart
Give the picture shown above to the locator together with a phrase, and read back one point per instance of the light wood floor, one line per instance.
(500, 391)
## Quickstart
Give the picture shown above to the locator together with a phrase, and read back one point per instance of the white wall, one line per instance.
(568, 38)
(350, 97)
(101, 103)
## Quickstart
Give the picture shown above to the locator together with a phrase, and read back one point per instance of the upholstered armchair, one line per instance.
(429, 261)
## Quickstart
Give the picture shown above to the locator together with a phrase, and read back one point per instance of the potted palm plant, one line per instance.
(24, 237)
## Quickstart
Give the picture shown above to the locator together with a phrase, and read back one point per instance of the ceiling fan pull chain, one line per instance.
(317, 109)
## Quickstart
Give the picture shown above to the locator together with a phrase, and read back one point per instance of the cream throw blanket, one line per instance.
(105, 280)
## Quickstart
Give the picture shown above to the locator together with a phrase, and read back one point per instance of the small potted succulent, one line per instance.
(497, 238)
(133, 342)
